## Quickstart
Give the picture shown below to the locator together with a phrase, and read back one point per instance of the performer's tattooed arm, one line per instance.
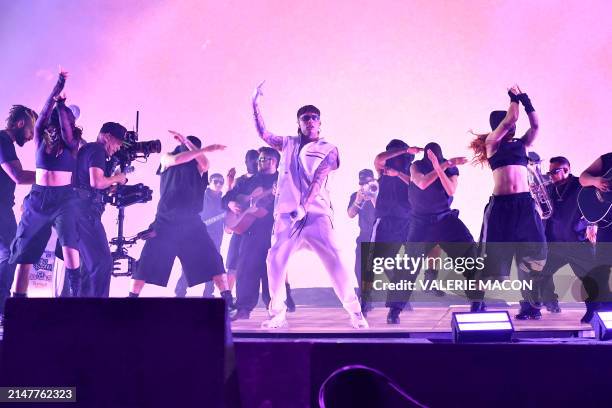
(275, 142)
(329, 164)
(45, 113)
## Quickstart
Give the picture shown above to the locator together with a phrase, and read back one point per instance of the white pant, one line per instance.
(317, 233)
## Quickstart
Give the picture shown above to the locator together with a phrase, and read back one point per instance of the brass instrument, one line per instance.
(537, 185)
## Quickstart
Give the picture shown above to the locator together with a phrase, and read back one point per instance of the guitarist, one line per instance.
(594, 176)
(212, 216)
(255, 241)
(566, 231)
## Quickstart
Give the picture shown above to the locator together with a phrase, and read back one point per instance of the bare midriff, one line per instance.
(510, 179)
(53, 178)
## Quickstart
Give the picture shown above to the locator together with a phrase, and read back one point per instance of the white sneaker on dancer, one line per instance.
(358, 321)
(277, 322)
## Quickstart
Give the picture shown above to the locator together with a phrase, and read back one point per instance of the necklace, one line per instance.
(562, 193)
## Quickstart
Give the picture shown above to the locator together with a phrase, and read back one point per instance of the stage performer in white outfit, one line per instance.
(303, 212)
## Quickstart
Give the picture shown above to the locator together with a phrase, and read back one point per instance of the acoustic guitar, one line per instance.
(596, 205)
(253, 206)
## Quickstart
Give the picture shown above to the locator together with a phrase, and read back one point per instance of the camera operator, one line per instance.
(362, 203)
(90, 182)
(178, 230)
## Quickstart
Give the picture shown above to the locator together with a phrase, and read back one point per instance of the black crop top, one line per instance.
(65, 161)
(510, 152)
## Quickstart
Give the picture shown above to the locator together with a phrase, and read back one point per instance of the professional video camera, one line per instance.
(126, 195)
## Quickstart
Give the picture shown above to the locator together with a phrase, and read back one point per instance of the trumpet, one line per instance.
(538, 183)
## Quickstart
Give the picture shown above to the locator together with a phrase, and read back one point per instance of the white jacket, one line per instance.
(295, 173)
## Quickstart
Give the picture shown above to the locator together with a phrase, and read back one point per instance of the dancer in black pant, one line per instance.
(433, 184)
(52, 201)
(567, 232)
(19, 129)
(392, 209)
(512, 226)
(90, 182)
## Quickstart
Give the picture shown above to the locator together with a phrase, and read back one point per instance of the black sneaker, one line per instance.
(393, 315)
(236, 314)
(528, 312)
(478, 306)
(553, 306)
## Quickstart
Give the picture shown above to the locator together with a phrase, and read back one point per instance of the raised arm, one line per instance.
(532, 133)
(448, 183)
(202, 160)
(507, 123)
(66, 123)
(381, 158)
(45, 113)
(169, 160)
(275, 142)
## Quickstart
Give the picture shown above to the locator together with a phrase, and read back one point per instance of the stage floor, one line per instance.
(420, 322)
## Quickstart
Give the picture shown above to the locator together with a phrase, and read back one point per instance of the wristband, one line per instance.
(513, 97)
(526, 102)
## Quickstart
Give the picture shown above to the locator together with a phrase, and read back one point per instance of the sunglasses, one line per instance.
(559, 170)
(306, 118)
(218, 182)
(264, 159)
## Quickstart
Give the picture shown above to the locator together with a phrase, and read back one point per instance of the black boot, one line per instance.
(553, 306)
(289, 302)
(74, 281)
(478, 306)
(393, 315)
(528, 312)
(229, 301)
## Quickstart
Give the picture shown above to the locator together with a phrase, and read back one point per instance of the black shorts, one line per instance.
(511, 227)
(45, 207)
(189, 241)
(233, 252)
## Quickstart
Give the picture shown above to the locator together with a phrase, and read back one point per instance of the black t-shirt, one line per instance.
(433, 200)
(90, 155)
(7, 185)
(367, 216)
(566, 223)
(181, 192)
(245, 186)
(392, 200)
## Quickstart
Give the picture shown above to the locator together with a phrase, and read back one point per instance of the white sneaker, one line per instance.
(277, 322)
(358, 321)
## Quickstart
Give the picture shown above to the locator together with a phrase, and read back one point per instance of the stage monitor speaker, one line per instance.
(146, 352)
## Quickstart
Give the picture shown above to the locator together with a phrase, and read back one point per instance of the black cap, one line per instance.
(396, 144)
(495, 118)
(196, 142)
(115, 129)
(308, 109)
(365, 175)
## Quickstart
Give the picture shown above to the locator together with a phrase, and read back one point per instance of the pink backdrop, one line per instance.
(417, 70)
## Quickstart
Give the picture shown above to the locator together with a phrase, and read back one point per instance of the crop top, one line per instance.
(64, 162)
(510, 152)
